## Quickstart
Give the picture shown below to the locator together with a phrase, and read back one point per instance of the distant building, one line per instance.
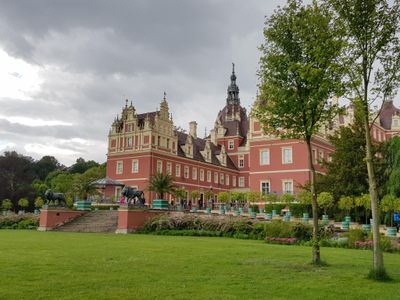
(236, 156)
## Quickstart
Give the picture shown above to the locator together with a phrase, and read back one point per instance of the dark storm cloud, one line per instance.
(93, 54)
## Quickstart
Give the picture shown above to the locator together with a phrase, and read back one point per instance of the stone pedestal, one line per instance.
(51, 217)
(131, 219)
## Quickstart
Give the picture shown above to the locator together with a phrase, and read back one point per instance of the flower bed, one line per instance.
(25, 221)
(278, 240)
(363, 245)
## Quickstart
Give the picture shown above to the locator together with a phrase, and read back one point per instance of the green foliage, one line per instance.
(346, 203)
(238, 196)
(26, 221)
(276, 206)
(393, 166)
(7, 204)
(390, 204)
(287, 198)
(355, 235)
(297, 209)
(81, 166)
(179, 193)
(271, 198)
(223, 197)
(39, 202)
(253, 197)
(304, 197)
(325, 200)
(23, 203)
(195, 195)
(161, 184)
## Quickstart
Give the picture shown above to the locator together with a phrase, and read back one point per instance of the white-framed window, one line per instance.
(330, 157)
(265, 187)
(241, 161)
(241, 181)
(208, 176)
(227, 179)
(135, 166)
(168, 143)
(169, 168)
(120, 167)
(221, 178)
(201, 174)
(159, 166)
(194, 173)
(287, 186)
(314, 156)
(287, 155)
(186, 172)
(321, 155)
(129, 141)
(178, 170)
(215, 177)
(264, 157)
(234, 181)
(231, 144)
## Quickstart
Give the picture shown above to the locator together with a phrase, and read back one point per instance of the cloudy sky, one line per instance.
(68, 66)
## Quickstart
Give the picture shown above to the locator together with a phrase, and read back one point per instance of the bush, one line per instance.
(279, 229)
(26, 221)
(355, 235)
(302, 231)
(275, 206)
(297, 209)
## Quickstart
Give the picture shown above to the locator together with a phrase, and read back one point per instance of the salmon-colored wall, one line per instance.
(132, 220)
(50, 218)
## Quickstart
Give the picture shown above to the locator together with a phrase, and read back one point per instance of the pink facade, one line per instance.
(236, 156)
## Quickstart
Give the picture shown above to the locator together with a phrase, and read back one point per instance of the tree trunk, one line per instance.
(378, 257)
(316, 258)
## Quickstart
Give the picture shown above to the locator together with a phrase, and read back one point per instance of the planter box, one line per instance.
(83, 205)
(345, 225)
(391, 231)
(160, 204)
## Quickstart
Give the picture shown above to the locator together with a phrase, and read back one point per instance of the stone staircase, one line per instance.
(94, 221)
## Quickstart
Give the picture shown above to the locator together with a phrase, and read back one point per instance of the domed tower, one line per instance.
(231, 122)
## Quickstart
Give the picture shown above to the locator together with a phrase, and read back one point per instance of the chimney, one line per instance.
(193, 129)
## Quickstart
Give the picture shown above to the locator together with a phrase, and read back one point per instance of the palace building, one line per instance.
(236, 156)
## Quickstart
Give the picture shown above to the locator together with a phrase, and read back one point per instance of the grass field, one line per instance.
(58, 265)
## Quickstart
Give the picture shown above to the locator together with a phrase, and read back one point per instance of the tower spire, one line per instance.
(233, 89)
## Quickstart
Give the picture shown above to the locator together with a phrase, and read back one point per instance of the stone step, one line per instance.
(94, 221)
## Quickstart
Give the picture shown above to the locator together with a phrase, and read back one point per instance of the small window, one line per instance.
(201, 175)
(194, 173)
(241, 181)
(169, 168)
(186, 172)
(208, 176)
(241, 161)
(287, 155)
(314, 156)
(178, 170)
(215, 177)
(120, 167)
(221, 178)
(231, 145)
(264, 157)
(234, 181)
(265, 187)
(135, 166)
(288, 186)
(159, 166)
(129, 140)
(227, 179)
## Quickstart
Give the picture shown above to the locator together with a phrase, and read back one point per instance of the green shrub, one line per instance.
(279, 229)
(297, 209)
(355, 235)
(302, 231)
(276, 206)
(26, 221)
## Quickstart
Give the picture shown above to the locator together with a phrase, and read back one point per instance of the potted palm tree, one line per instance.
(325, 200)
(390, 204)
(23, 203)
(346, 203)
(161, 184)
(38, 204)
(195, 196)
(364, 201)
(7, 205)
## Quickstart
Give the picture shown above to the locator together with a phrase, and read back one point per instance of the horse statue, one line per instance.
(50, 196)
(134, 195)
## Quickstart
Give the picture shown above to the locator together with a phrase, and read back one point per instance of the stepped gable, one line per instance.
(199, 145)
(388, 111)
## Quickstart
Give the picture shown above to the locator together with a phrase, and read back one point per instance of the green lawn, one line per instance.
(58, 265)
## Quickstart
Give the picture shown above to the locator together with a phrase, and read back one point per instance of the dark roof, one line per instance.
(234, 127)
(199, 145)
(388, 111)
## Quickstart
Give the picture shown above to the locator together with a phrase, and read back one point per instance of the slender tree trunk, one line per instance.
(316, 257)
(378, 257)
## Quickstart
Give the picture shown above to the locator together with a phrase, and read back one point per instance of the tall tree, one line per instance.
(45, 165)
(16, 176)
(393, 169)
(81, 166)
(299, 74)
(372, 60)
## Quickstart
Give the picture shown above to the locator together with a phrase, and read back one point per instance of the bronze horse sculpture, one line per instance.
(52, 197)
(134, 195)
